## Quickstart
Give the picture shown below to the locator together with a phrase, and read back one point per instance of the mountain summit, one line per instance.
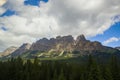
(22, 49)
(66, 43)
(81, 38)
(62, 46)
(8, 51)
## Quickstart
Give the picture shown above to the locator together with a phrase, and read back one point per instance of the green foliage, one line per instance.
(18, 69)
(93, 70)
(61, 76)
(115, 68)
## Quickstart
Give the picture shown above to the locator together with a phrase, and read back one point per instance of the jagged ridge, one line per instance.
(62, 46)
(65, 46)
(8, 51)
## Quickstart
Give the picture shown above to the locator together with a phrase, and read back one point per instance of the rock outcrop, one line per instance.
(80, 38)
(22, 49)
(42, 45)
(8, 51)
(62, 45)
(118, 48)
(68, 44)
(53, 43)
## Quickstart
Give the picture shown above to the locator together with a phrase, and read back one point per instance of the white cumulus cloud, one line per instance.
(2, 2)
(110, 40)
(56, 17)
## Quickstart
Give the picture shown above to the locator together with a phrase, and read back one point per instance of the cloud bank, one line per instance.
(110, 40)
(56, 17)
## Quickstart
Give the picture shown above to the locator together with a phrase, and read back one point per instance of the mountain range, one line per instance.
(61, 46)
(8, 51)
(118, 48)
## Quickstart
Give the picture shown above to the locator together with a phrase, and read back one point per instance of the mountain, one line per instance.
(118, 48)
(66, 43)
(62, 46)
(8, 51)
(22, 49)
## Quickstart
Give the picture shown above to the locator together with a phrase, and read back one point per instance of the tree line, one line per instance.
(19, 69)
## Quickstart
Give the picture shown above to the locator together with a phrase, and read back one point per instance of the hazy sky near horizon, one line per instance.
(24, 21)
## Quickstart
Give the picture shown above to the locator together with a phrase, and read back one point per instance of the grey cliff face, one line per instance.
(8, 51)
(81, 38)
(61, 45)
(66, 43)
(25, 47)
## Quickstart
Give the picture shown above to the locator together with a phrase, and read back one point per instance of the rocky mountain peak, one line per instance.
(8, 51)
(118, 48)
(81, 38)
(63, 39)
(68, 38)
(25, 46)
(58, 37)
(61, 45)
(43, 40)
(22, 49)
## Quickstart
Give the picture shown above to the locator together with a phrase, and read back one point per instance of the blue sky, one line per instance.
(26, 2)
(113, 31)
(34, 2)
(59, 17)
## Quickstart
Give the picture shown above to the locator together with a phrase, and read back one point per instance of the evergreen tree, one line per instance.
(107, 75)
(93, 70)
(115, 69)
(17, 69)
(61, 76)
(55, 76)
(82, 77)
